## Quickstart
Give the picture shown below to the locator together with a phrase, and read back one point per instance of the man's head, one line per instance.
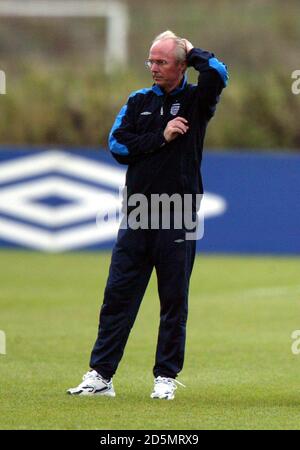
(167, 60)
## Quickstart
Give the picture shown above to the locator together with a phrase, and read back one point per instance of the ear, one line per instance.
(184, 66)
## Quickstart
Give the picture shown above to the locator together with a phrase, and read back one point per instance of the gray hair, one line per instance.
(180, 48)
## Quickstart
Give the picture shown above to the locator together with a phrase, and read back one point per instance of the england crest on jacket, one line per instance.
(174, 109)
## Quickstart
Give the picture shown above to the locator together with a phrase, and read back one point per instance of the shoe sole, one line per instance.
(91, 394)
(165, 397)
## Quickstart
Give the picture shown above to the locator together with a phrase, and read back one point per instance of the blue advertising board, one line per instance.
(262, 193)
(55, 200)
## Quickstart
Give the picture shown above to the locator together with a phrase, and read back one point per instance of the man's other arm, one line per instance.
(125, 144)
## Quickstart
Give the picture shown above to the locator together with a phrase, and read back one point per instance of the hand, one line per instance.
(175, 127)
(188, 45)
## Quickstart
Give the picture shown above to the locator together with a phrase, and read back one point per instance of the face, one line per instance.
(169, 74)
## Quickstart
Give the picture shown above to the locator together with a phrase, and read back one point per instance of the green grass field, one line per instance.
(239, 370)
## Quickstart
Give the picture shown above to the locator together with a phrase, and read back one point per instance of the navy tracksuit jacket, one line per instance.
(156, 167)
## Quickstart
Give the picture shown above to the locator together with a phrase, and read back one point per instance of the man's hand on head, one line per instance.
(188, 45)
(175, 128)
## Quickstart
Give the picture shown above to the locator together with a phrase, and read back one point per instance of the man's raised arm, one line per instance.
(213, 77)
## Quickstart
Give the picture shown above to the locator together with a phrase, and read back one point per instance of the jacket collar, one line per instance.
(158, 91)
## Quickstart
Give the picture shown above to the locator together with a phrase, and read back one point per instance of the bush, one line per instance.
(78, 109)
(58, 95)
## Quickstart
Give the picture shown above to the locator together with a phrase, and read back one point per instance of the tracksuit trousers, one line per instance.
(134, 256)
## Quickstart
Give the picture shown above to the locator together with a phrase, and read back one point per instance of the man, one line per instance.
(159, 134)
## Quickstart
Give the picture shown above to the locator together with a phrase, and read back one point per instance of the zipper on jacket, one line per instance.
(165, 98)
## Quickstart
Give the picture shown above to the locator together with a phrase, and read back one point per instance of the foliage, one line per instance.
(58, 93)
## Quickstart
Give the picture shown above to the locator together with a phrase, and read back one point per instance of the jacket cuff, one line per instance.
(196, 55)
(162, 141)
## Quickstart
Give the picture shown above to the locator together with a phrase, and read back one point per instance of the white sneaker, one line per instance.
(93, 384)
(164, 388)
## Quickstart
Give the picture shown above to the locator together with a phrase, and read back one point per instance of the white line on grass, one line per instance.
(261, 292)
